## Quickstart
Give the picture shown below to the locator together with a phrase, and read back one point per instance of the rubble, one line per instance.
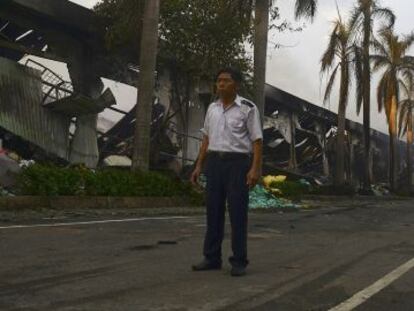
(50, 119)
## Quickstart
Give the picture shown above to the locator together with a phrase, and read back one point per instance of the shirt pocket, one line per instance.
(237, 125)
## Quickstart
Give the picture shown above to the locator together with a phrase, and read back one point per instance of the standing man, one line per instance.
(232, 144)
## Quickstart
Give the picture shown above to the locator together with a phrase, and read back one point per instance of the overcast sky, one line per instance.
(295, 67)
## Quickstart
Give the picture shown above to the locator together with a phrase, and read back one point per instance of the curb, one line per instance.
(68, 202)
(310, 197)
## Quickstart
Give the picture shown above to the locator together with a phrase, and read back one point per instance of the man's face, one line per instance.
(225, 84)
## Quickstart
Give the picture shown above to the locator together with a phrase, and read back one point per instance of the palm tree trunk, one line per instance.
(393, 140)
(292, 127)
(409, 150)
(260, 52)
(148, 57)
(340, 142)
(366, 81)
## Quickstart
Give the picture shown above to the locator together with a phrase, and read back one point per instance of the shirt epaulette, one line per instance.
(247, 103)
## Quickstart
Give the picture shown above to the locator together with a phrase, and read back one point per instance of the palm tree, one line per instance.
(392, 59)
(362, 20)
(146, 83)
(405, 124)
(338, 55)
(261, 27)
(303, 8)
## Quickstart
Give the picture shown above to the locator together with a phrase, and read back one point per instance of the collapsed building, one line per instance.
(36, 105)
(43, 116)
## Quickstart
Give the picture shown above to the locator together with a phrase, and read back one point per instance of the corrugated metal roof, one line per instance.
(21, 111)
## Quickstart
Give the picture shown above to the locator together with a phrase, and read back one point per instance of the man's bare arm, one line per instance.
(256, 168)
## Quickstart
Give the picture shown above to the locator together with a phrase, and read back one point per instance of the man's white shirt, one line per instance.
(233, 129)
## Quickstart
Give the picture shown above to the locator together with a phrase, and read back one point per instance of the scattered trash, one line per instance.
(275, 191)
(5, 193)
(26, 163)
(380, 189)
(269, 179)
(305, 182)
(116, 160)
(259, 197)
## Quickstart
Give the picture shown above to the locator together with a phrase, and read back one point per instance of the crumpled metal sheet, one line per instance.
(21, 111)
(281, 122)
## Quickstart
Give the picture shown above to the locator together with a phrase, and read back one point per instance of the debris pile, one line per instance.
(262, 196)
(259, 197)
(380, 189)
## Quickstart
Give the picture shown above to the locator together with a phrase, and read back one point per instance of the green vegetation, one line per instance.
(48, 180)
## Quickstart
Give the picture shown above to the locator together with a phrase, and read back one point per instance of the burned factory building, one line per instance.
(43, 116)
(53, 116)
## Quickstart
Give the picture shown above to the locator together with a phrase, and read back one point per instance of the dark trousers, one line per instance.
(226, 180)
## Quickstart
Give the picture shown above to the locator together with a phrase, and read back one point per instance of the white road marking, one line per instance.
(63, 224)
(370, 291)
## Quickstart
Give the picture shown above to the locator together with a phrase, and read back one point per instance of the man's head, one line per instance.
(228, 82)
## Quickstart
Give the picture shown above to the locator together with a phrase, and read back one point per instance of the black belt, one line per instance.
(229, 155)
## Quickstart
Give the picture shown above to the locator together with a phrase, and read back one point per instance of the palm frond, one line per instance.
(407, 59)
(408, 41)
(385, 14)
(378, 62)
(403, 116)
(329, 55)
(330, 84)
(355, 19)
(382, 92)
(305, 8)
(378, 47)
(403, 87)
(407, 83)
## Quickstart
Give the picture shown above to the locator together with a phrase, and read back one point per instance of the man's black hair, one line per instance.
(235, 74)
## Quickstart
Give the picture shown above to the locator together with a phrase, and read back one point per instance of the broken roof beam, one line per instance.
(22, 49)
(67, 14)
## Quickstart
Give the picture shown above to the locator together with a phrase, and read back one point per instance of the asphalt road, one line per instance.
(311, 260)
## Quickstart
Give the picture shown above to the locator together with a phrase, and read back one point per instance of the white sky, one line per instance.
(295, 68)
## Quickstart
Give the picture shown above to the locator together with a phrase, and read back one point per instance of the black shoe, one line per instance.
(238, 271)
(207, 265)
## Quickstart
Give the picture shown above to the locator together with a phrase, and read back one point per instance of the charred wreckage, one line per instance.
(44, 117)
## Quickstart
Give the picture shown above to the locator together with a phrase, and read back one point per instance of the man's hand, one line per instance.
(253, 177)
(195, 175)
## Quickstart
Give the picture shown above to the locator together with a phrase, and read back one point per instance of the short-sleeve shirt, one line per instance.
(233, 129)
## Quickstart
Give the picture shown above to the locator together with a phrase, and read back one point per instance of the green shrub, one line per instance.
(51, 181)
